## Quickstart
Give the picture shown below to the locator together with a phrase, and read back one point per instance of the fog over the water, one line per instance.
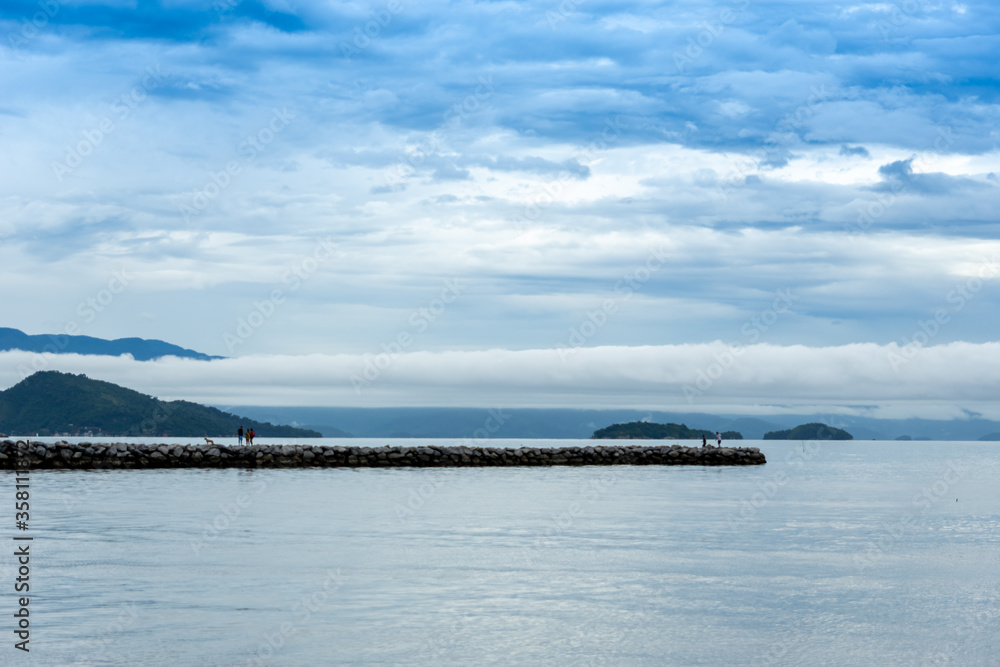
(864, 380)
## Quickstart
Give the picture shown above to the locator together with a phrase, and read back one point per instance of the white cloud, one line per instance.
(756, 379)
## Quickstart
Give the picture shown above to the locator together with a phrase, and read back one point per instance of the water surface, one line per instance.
(847, 553)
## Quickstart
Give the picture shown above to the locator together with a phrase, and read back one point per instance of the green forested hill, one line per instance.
(651, 431)
(814, 431)
(54, 403)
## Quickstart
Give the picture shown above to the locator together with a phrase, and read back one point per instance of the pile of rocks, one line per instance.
(27, 454)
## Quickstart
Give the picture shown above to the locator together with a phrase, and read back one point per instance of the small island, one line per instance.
(653, 431)
(814, 431)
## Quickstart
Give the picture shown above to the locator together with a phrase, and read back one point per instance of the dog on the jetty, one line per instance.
(209, 442)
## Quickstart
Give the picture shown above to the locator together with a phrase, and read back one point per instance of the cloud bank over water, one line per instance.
(859, 379)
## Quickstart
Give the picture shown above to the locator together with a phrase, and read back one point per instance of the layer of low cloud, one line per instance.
(888, 380)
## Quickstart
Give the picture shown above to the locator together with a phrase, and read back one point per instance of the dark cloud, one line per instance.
(149, 19)
(855, 151)
(388, 189)
(900, 170)
(73, 238)
(449, 172)
(899, 176)
(529, 165)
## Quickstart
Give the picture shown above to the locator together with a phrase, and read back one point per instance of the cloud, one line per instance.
(900, 169)
(854, 151)
(449, 172)
(899, 176)
(752, 379)
(533, 165)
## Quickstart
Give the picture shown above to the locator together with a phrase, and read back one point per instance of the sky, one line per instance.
(749, 207)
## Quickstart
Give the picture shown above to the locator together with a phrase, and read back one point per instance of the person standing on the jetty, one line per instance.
(239, 433)
(704, 441)
(250, 435)
(718, 439)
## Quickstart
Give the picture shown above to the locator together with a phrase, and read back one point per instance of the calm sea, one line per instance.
(834, 553)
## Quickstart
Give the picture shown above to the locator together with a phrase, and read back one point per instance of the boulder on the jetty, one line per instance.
(86, 455)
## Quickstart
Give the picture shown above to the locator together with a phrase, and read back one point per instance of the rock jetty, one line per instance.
(85, 455)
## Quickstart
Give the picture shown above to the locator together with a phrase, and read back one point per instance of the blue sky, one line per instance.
(575, 203)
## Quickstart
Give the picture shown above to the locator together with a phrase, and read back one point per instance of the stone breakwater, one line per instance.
(85, 455)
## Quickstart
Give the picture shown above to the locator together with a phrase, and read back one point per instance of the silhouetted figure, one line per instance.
(239, 433)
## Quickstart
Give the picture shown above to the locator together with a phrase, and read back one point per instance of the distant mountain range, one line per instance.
(52, 403)
(581, 424)
(141, 349)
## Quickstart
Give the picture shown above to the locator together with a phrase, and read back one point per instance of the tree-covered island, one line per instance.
(651, 431)
(812, 431)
